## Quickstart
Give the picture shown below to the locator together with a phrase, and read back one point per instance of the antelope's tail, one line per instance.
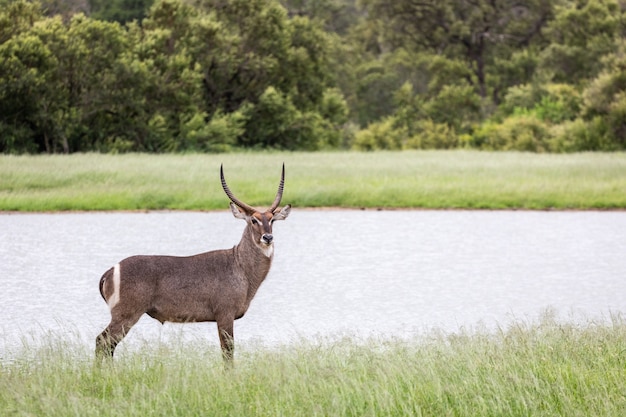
(103, 280)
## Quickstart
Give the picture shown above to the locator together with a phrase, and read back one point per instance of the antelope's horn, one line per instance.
(279, 193)
(232, 197)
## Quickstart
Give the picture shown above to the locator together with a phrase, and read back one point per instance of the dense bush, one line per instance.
(203, 77)
(381, 135)
(518, 132)
(581, 135)
(431, 135)
(215, 75)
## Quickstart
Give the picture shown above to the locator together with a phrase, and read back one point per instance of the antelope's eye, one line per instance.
(255, 221)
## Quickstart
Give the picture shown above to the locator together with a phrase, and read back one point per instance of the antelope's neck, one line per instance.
(253, 260)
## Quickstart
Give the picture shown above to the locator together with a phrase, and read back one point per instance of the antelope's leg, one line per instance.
(113, 334)
(227, 339)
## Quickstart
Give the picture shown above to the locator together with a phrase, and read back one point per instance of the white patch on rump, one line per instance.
(115, 297)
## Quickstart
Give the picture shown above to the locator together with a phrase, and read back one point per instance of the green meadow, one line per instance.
(408, 179)
(542, 369)
(547, 368)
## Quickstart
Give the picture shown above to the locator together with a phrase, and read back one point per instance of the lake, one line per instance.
(335, 272)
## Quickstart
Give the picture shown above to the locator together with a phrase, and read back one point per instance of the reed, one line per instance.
(547, 368)
(409, 179)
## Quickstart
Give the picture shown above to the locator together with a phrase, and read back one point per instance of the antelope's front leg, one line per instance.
(227, 338)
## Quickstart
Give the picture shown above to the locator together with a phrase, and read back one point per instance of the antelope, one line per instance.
(215, 286)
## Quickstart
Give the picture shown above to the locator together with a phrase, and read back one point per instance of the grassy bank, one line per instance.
(545, 369)
(455, 179)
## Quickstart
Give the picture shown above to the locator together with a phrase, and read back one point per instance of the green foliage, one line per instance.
(391, 134)
(16, 139)
(275, 122)
(381, 135)
(553, 103)
(580, 135)
(92, 85)
(219, 134)
(121, 11)
(473, 32)
(401, 179)
(431, 135)
(271, 120)
(522, 96)
(374, 91)
(216, 75)
(17, 16)
(607, 87)
(560, 103)
(521, 369)
(307, 63)
(581, 33)
(336, 15)
(518, 132)
(334, 107)
(512, 70)
(445, 72)
(604, 100)
(616, 121)
(456, 105)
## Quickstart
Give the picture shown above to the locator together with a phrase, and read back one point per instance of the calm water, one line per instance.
(390, 273)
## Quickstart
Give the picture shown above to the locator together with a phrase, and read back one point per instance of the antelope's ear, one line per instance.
(236, 211)
(283, 213)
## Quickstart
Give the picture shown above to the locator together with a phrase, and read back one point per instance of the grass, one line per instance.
(542, 369)
(409, 179)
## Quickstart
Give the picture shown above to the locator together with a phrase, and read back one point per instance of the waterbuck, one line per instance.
(212, 286)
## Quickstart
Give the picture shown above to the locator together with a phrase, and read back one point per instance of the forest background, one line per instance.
(219, 75)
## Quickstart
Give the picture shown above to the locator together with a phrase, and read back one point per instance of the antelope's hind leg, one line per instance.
(113, 334)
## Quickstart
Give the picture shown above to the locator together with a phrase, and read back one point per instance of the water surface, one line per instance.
(385, 273)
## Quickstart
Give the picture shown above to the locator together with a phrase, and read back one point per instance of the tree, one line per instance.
(479, 31)
(25, 68)
(168, 46)
(120, 11)
(259, 59)
(64, 8)
(337, 16)
(581, 33)
(246, 56)
(605, 98)
(17, 17)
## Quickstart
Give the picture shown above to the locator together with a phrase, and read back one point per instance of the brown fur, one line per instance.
(215, 286)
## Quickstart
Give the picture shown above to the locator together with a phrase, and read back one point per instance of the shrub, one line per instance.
(553, 103)
(16, 139)
(616, 121)
(561, 102)
(219, 134)
(581, 135)
(431, 135)
(456, 105)
(523, 96)
(380, 135)
(603, 90)
(518, 132)
(334, 107)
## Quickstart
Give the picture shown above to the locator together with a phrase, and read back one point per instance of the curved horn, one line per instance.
(230, 195)
(279, 194)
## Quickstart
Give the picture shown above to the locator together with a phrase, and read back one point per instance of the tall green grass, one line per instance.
(544, 369)
(410, 179)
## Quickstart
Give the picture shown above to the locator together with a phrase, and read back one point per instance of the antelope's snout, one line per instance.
(267, 238)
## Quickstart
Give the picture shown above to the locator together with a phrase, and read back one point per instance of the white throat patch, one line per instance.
(268, 250)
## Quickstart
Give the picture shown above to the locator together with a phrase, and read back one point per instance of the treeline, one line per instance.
(215, 75)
